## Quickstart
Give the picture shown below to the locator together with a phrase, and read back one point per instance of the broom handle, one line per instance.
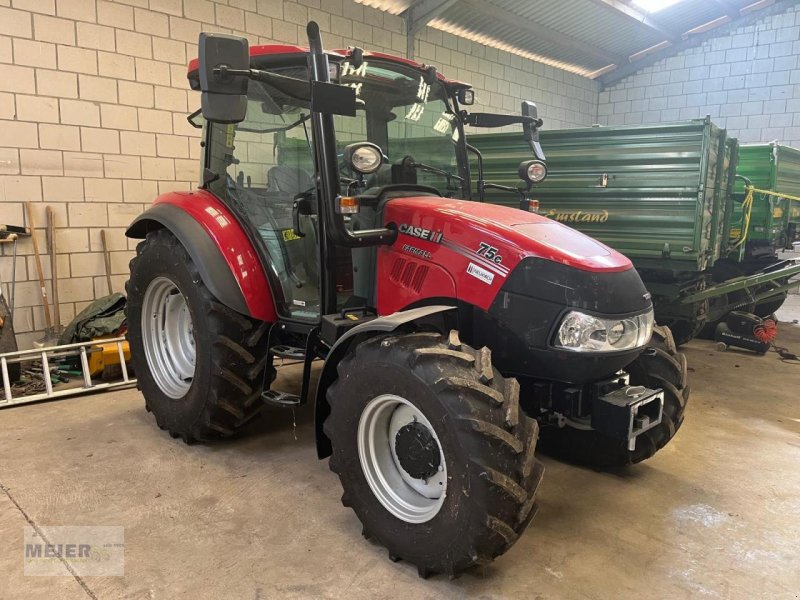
(107, 259)
(51, 234)
(39, 266)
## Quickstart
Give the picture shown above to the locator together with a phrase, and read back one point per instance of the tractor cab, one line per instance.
(398, 129)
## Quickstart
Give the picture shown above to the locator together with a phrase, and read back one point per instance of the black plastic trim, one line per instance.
(520, 324)
(340, 348)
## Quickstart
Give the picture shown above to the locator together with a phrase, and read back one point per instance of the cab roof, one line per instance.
(288, 49)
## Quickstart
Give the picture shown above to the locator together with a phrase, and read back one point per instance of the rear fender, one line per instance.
(358, 334)
(223, 254)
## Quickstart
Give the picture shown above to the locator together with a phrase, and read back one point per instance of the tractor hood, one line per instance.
(521, 272)
(518, 233)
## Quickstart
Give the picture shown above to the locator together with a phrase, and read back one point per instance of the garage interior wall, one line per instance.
(93, 105)
(748, 80)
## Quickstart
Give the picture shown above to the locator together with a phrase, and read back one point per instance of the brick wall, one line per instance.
(747, 79)
(93, 99)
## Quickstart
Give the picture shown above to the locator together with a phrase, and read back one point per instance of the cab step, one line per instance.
(280, 399)
(291, 352)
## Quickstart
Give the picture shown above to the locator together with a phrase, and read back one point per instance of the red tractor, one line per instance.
(334, 220)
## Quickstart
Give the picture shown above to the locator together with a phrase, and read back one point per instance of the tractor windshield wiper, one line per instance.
(301, 120)
(437, 171)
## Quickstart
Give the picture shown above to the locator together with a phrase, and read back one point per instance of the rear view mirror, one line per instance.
(529, 110)
(224, 76)
(531, 128)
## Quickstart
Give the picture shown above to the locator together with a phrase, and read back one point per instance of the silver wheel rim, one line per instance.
(409, 499)
(168, 337)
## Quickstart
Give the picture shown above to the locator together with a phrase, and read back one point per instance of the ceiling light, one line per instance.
(653, 6)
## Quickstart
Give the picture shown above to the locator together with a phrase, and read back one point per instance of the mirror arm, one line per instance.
(224, 71)
(481, 181)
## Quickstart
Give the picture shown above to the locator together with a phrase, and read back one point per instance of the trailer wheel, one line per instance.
(433, 453)
(200, 365)
(660, 365)
(768, 306)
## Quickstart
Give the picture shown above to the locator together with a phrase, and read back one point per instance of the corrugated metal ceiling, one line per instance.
(587, 37)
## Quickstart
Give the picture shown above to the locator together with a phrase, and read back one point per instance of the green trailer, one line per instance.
(663, 195)
(773, 219)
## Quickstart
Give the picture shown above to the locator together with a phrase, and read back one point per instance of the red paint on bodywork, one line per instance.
(220, 225)
(261, 51)
(515, 235)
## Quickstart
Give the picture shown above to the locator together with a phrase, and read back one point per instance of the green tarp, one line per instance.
(104, 316)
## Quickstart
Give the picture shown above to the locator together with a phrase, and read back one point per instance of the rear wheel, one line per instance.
(660, 365)
(432, 451)
(200, 365)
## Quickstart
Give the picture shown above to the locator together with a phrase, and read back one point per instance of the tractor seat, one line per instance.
(288, 179)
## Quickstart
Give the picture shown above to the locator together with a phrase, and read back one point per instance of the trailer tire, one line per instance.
(230, 349)
(770, 305)
(660, 365)
(485, 444)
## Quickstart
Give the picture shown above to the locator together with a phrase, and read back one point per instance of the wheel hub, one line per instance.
(417, 450)
(168, 337)
(402, 458)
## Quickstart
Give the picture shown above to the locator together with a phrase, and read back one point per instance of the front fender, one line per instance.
(339, 349)
(224, 256)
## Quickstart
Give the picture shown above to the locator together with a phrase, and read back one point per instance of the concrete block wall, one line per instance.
(93, 100)
(747, 79)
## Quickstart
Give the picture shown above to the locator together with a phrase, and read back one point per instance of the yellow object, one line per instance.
(106, 356)
(771, 193)
(289, 235)
(747, 208)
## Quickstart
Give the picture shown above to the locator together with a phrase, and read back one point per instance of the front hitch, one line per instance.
(624, 411)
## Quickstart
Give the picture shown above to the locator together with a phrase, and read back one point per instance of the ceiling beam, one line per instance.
(494, 14)
(637, 16)
(418, 15)
(651, 58)
(727, 7)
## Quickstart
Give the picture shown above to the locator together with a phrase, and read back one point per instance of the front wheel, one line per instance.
(433, 453)
(660, 365)
(200, 365)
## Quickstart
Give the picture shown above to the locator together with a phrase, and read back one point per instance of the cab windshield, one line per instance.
(265, 162)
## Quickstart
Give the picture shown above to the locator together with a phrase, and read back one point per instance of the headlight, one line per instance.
(586, 333)
(363, 157)
(533, 171)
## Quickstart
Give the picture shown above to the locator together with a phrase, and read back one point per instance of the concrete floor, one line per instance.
(715, 515)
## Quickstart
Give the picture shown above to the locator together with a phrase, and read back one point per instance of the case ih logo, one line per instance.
(423, 234)
(578, 216)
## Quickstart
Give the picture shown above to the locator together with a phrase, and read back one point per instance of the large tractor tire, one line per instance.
(432, 450)
(200, 365)
(659, 366)
(685, 330)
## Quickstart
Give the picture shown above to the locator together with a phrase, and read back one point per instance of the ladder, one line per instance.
(49, 355)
